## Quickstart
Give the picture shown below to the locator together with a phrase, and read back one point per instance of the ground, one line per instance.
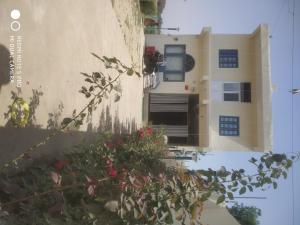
(57, 38)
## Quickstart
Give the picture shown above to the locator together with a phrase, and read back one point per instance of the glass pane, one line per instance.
(232, 87)
(178, 49)
(231, 97)
(174, 63)
(174, 77)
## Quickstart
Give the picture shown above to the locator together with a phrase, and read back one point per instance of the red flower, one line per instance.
(109, 145)
(149, 130)
(112, 172)
(141, 134)
(60, 164)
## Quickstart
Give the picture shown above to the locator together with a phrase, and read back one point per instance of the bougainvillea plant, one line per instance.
(123, 180)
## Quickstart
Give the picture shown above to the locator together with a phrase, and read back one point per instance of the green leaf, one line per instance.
(66, 121)
(98, 57)
(235, 184)
(278, 157)
(253, 160)
(221, 199)
(243, 182)
(88, 80)
(117, 97)
(222, 190)
(169, 219)
(268, 162)
(97, 75)
(284, 174)
(242, 190)
(205, 196)
(103, 81)
(230, 195)
(267, 180)
(85, 74)
(130, 72)
(289, 164)
(250, 188)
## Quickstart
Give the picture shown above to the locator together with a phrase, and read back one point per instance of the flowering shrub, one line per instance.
(122, 180)
(75, 188)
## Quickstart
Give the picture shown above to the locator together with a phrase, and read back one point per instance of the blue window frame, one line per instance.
(174, 70)
(228, 58)
(229, 126)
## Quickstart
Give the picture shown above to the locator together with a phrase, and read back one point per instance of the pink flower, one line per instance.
(149, 130)
(108, 162)
(141, 134)
(112, 172)
(60, 164)
(109, 145)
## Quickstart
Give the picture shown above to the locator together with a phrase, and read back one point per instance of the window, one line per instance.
(189, 63)
(236, 92)
(228, 58)
(232, 92)
(229, 126)
(245, 92)
(175, 63)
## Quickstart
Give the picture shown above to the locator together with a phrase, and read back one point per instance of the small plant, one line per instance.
(20, 113)
(149, 7)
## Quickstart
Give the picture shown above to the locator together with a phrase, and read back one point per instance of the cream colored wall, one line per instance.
(253, 53)
(257, 72)
(57, 40)
(263, 90)
(217, 215)
(245, 111)
(204, 88)
(193, 47)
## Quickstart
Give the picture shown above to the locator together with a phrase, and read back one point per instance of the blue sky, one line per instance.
(243, 16)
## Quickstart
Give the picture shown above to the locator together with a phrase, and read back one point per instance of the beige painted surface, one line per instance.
(255, 117)
(213, 214)
(57, 38)
(254, 67)
(245, 111)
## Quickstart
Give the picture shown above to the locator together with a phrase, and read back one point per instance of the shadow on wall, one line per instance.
(106, 123)
(14, 141)
(4, 65)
